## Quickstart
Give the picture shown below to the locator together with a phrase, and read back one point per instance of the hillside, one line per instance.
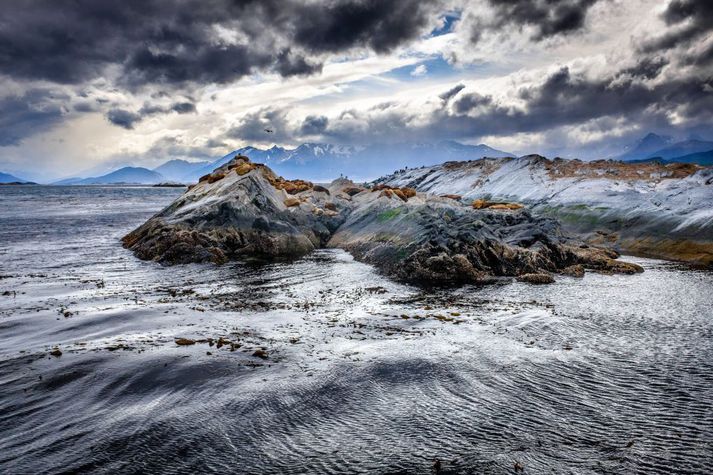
(651, 209)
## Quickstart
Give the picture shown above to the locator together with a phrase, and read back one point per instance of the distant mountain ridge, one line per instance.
(645, 146)
(125, 175)
(654, 146)
(324, 162)
(8, 178)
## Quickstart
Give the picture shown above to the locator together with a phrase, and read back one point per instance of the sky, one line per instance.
(86, 86)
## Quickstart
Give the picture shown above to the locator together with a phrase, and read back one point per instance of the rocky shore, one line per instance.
(244, 210)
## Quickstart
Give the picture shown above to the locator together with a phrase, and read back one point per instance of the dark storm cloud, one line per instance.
(178, 107)
(123, 118)
(647, 67)
(289, 64)
(314, 125)
(35, 110)
(266, 125)
(566, 99)
(548, 17)
(561, 99)
(175, 42)
(689, 20)
(127, 119)
(376, 24)
(469, 102)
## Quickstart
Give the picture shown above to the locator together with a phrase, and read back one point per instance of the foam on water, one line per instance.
(596, 375)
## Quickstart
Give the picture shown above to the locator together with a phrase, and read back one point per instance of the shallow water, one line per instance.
(606, 374)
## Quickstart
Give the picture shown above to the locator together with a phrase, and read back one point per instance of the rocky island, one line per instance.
(244, 210)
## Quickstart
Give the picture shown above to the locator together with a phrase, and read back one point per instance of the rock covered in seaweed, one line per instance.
(243, 209)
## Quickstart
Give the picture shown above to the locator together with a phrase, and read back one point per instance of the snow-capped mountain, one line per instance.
(324, 162)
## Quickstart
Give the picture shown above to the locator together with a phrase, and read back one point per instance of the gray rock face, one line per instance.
(649, 209)
(244, 210)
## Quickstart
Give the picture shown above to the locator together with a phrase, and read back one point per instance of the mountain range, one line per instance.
(125, 175)
(317, 162)
(323, 162)
(8, 178)
(660, 147)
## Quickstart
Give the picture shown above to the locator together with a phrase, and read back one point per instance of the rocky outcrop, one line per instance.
(240, 210)
(652, 209)
(243, 210)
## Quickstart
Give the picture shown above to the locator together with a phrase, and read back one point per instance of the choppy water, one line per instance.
(606, 374)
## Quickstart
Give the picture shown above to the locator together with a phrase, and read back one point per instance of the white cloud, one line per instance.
(420, 70)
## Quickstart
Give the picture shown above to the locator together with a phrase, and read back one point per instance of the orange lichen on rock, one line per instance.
(503, 206)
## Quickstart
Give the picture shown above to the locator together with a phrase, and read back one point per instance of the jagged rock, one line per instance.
(414, 237)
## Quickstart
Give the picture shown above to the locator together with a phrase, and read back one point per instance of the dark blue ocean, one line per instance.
(324, 366)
